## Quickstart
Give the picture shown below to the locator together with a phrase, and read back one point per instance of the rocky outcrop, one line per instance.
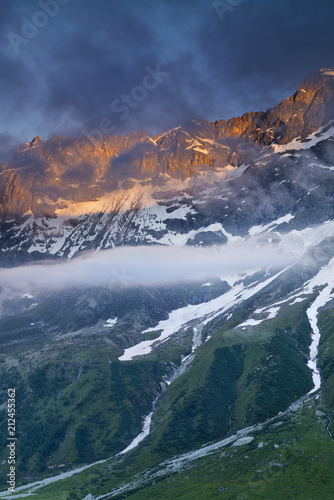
(311, 106)
(44, 175)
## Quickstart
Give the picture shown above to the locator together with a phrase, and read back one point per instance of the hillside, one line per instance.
(167, 308)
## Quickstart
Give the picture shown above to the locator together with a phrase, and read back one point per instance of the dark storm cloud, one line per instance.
(65, 77)
(8, 146)
(268, 49)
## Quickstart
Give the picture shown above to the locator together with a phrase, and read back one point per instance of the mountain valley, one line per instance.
(167, 308)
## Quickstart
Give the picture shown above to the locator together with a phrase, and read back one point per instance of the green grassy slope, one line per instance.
(240, 376)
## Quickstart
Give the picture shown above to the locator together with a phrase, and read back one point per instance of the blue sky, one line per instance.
(62, 70)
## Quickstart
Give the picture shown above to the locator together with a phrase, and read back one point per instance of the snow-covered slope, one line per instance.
(280, 189)
(200, 354)
(201, 184)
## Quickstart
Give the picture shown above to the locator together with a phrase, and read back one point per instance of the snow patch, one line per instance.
(205, 312)
(204, 151)
(272, 313)
(145, 432)
(324, 277)
(260, 229)
(327, 72)
(111, 322)
(311, 140)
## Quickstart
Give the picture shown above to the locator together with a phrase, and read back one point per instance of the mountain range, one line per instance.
(63, 196)
(212, 379)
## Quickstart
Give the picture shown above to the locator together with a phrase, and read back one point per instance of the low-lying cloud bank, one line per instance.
(135, 266)
(159, 265)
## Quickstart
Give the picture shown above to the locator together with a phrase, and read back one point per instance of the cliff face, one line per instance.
(44, 174)
(311, 106)
(60, 168)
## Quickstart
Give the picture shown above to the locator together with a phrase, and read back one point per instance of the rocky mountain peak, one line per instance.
(301, 114)
(87, 168)
(35, 140)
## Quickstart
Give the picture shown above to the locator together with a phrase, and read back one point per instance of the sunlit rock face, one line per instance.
(43, 173)
(200, 184)
(301, 114)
